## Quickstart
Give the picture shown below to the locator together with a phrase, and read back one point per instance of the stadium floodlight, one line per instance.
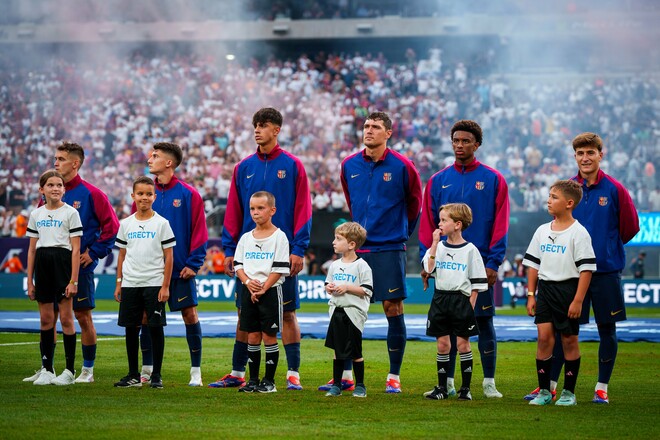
(365, 28)
(281, 29)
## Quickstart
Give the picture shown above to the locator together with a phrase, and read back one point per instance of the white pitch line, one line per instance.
(10, 344)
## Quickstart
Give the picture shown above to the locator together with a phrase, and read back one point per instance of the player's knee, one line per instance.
(289, 317)
(189, 315)
(84, 318)
(607, 330)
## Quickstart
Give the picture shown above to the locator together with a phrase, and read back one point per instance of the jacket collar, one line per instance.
(599, 177)
(272, 155)
(169, 185)
(73, 183)
(467, 168)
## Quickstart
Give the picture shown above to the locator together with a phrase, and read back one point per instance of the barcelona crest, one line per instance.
(176, 203)
(387, 177)
(281, 174)
(602, 201)
(479, 185)
(77, 204)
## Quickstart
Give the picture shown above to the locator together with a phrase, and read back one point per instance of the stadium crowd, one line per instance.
(117, 109)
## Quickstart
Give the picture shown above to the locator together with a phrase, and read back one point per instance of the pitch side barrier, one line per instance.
(637, 293)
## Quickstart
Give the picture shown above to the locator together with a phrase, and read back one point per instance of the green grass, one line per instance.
(100, 411)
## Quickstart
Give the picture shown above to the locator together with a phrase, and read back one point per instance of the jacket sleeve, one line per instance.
(233, 223)
(500, 232)
(199, 234)
(628, 217)
(109, 224)
(413, 197)
(302, 213)
(428, 220)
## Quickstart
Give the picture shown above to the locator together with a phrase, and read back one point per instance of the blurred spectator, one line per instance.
(21, 223)
(637, 265)
(13, 264)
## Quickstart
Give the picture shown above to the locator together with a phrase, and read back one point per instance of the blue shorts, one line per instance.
(606, 296)
(485, 306)
(290, 296)
(183, 294)
(389, 274)
(84, 300)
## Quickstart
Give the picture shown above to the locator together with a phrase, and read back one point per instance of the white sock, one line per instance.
(601, 387)
(347, 375)
(195, 370)
(293, 373)
(488, 380)
(147, 369)
(393, 376)
(553, 385)
(240, 374)
(450, 383)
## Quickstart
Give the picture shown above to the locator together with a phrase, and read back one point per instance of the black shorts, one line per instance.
(85, 300)
(552, 305)
(606, 296)
(389, 274)
(183, 294)
(52, 273)
(290, 295)
(343, 336)
(135, 301)
(264, 316)
(451, 314)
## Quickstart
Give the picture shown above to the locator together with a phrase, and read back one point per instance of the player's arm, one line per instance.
(473, 298)
(71, 288)
(199, 236)
(32, 253)
(120, 273)
(168, 256)
(500, 231)
(302, 220)
(532, 280)
(628, 217)
(109, 225)
(233, 223)
(413, 196)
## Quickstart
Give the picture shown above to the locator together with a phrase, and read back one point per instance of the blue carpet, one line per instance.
(314, 325)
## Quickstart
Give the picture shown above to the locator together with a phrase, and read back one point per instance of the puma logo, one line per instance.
(451, 256)
(259, 246)
(552, 239)
(141, 227)
(342, 269)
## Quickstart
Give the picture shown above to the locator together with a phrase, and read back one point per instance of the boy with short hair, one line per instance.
(460, 275)
(350, 285)
(144, 270)
(261, 262)
(561, 259)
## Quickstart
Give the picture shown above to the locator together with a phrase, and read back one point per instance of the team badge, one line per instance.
(176, 203)
(479, 185)
(281, 174)
(77, 204)
(387, 177)
(602, 201)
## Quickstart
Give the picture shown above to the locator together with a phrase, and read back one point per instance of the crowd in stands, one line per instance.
(117, 109)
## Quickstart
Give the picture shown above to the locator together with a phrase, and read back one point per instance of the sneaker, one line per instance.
(566, 399)
(86, 376)
(451, 391)
(129, 381)
(66, 378)
(266, 386)
(35, 376)
(228, 381)
(543, 397)
(45, 378)
(249, 387)
(535, 393)
(293, 383)
(393, 386)
(195, 377)
(157, 382)
(600, 396)
(145, 374)
(491, 392)
(464, 394)
(346, 385)
(437, 393)
(334, 391)
(360, 391)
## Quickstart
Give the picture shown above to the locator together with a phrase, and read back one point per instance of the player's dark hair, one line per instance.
(73, 148)
(352, 231)
(143, 180)
(382, 116)
(265, 115)
(269, 197)
(587, 139)
(459, 212)
(171, 149)
(570, 189)
(47, 175)
(470, 127)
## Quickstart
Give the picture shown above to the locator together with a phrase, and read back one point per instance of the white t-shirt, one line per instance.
(54, 228)
(260, 257)
(458, 268)
(560, 255)
(357, 273)
(144, 241)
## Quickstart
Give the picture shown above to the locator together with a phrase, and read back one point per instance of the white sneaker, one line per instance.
(491, 392)
(87, 375)
(145, 374)
(35, 376)
(195, 377)
(66, 378)
(45, 378)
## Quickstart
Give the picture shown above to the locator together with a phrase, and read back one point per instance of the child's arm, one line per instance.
(32, 253)
(72, 287)
(272, 279)
(473, 298)
(252, 285)
(575, 309)
(532, 279)
(120, 271)
(164, 293)
(341, 289)
(430, 265)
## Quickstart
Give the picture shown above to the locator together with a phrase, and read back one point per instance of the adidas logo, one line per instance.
(270, 362)
(468, 370)
(43, 358)
(541, 371)
(249, 360)
(273, 326)
(441, 370)
(569, 373)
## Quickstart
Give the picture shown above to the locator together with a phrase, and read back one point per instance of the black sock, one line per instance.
(442, 362)
(157, 348)
(47, 348)
(571, 370)
(132, 349)
(70, 352)
(254, 361)
(272, 358)
(466, 368)
(337, 371)
(543, 367)
(358, 369)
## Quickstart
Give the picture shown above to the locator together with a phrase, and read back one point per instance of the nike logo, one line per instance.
(471, 327)
(287, 302)
(446, 186)
(485, 307)
(393, 349)
(82, 299)
(195, 351)
(250, 176)
(393, 290)
(353, 176)
(489, 352)
(181, 299)
(616, 313)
